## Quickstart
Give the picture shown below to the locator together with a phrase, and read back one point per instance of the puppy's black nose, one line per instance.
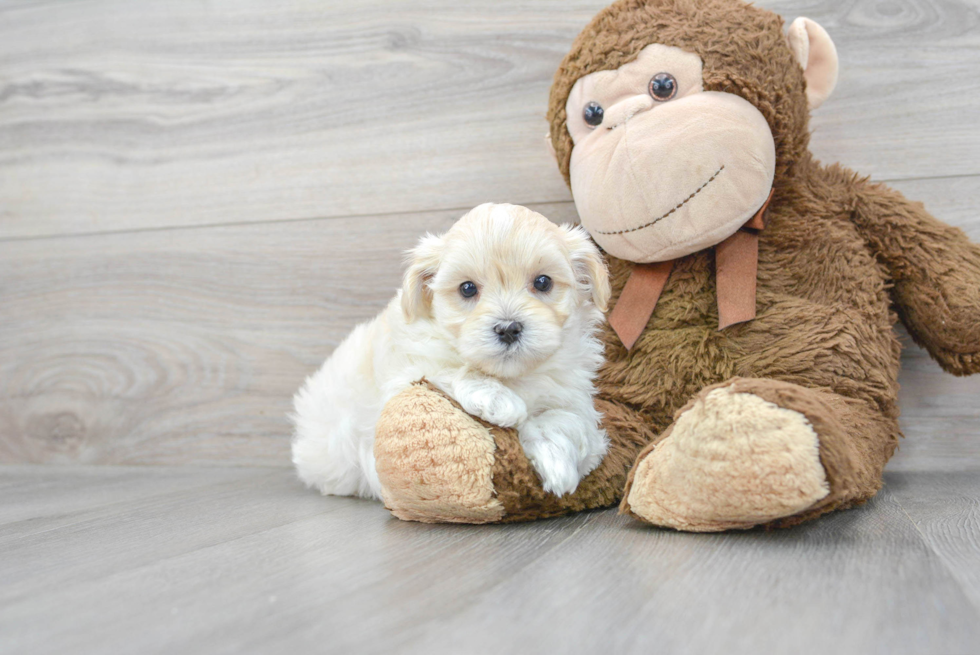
(508, 332)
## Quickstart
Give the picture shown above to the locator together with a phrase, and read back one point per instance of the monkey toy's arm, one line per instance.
(935, 270)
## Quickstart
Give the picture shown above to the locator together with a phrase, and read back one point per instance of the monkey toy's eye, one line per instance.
(467, 289)
(542, 283)
(663, 86)
(593, 113)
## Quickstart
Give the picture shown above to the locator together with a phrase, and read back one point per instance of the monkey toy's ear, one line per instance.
(813, 49)
(551, 145)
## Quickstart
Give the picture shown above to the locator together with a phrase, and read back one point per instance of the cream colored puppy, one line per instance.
(500, 313)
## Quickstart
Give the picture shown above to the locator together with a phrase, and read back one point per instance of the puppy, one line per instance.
(500, 313)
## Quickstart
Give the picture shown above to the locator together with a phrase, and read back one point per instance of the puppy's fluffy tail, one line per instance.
(334, 418)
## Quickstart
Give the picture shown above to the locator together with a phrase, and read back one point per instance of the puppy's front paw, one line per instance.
(555, 463)
(494, 403)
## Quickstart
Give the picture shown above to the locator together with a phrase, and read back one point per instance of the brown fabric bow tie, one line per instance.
(736, 267)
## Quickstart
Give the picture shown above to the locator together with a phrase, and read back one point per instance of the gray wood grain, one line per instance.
(856, 582)
(121, 116)
(176, 346)
(37, 498)
(945, 508)
(248, 561)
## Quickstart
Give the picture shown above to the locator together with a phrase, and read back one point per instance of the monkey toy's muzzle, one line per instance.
(675, 178)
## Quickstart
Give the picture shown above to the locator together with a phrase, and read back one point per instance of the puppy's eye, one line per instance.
(593, 113)
(467, 289)
(542, 283)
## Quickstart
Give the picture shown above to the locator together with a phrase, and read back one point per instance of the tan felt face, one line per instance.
(671, 169)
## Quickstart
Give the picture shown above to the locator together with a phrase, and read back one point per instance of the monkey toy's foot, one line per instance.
(438, 464)
(435, 461)
(746, 453)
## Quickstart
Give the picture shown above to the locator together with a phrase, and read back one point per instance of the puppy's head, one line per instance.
(504, 281)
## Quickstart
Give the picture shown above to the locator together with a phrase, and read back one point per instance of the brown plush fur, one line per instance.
(520, 491)
(840, 259)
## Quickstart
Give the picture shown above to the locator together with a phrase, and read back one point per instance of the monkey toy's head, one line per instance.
(673, 119)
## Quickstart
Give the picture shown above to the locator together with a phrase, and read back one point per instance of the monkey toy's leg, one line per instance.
(749, 452)
(438, 464)
(935, 270)
(743, 453)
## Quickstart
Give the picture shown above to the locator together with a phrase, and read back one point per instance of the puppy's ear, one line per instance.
(590, 270)
(423, 261)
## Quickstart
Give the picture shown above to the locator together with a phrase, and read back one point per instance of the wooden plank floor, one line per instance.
(199, 200)
(194, 560)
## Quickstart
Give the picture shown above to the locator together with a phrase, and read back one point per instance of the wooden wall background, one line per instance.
(199, 199)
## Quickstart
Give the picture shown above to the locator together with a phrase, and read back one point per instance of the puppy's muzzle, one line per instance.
(508, 332)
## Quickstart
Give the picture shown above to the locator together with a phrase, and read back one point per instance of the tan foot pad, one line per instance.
(732, 460)
(435, 461)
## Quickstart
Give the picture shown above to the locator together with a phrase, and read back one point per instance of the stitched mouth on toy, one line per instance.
(671, 211)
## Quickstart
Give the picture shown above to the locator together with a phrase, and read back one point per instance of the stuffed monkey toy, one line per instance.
(752, 364)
